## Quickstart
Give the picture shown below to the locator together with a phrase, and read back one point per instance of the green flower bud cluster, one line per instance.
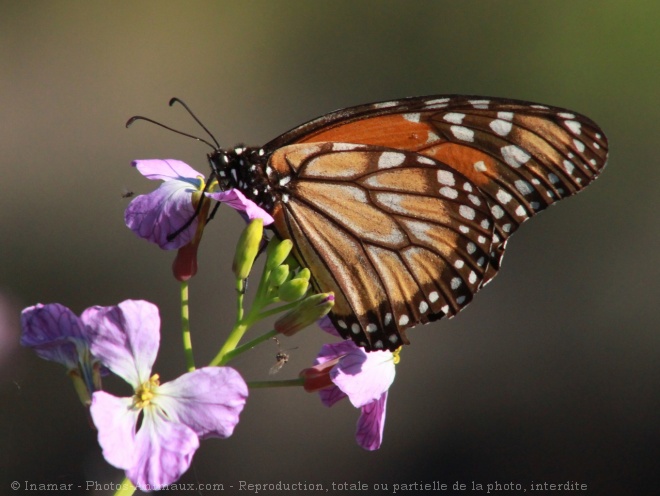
(283, 281)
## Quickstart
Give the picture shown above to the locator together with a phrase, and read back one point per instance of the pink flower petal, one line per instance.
(163, 452)
(370, 426)
(208, 400)
(326, 324)
(331, 395)
(363, 376)
(163, 212)
(165, 170)
(115, 421)
(237, 200)
(330, 351)
(55, 333)
(129, 342)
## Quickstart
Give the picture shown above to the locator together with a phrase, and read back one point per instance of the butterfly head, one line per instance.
(243, 168)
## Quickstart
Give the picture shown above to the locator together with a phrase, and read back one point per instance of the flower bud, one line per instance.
(318, 376)
(277, 251)
(306, 313)
(184, 265)
(304, 274)
(248, 248)
(292, 262)
(279, 275)
(293, 289)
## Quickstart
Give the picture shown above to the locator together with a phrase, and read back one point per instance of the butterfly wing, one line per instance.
(400, 238)
(516, 157)
(519, 154)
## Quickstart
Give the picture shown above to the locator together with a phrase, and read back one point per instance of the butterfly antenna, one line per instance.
(141, 118)
(177, 100)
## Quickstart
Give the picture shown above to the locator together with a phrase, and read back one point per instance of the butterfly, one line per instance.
(403, 208)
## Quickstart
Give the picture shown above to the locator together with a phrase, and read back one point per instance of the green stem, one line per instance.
(231, 343)
(185, 324)
(240, 288)
(245, 347)
(272, 384)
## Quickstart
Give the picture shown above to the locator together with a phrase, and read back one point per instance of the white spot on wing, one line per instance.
(501, 127)
(523, 186)
(480, 166)
(574, 126)
(503, 197)
(385, 104)
(454, 117)
(343, 147)
(437, 102)
(497, 211)
(390, 159)
(412, 117)
(446, 177)
(479, 104)
(467, 212)
(462, 133)
(432, 137)
(514, 156)
(449, 192)
(570, 168)
(425, 160)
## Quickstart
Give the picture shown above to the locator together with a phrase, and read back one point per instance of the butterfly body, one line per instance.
(403, 208)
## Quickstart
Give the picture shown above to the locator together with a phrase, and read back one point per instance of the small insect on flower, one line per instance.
(282, 357)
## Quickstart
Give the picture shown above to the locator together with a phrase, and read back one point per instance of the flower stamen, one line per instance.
(146, 392)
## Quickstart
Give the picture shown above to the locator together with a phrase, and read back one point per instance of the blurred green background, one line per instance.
(550, 375)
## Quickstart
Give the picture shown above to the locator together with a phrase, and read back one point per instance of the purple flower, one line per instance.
(154, 434)
(162, 212)
(55, 333)
(345, 370)
(157, 216)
